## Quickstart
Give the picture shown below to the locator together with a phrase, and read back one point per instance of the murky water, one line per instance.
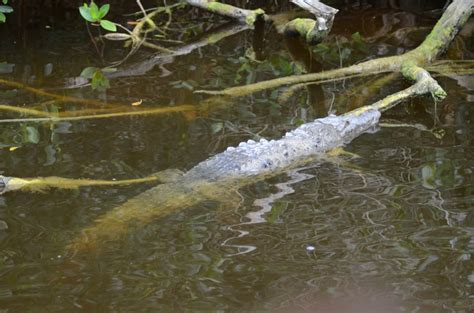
(396, 222)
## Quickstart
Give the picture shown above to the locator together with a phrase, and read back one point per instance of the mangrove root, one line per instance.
(43, 184)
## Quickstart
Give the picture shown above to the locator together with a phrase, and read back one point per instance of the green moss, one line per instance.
(234, 12)
(315, 36)
(436, 42)
(307, 29)
(301, 26)
(439, 94)
(410, 69)
(222, 8)
(252, 18)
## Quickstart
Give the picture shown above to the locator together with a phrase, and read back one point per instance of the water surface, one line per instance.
(397, 221)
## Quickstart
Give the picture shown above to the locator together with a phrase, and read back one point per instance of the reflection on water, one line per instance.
(396, 222)
(266, 207)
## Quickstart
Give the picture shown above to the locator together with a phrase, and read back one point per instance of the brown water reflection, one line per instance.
(398, 222)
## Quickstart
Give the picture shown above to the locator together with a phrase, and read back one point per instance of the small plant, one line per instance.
(4, 8)
(92, 13)
(344, 50)
(97, 76)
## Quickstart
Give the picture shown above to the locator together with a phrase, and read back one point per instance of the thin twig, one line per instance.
(27, 111)
(181, 108)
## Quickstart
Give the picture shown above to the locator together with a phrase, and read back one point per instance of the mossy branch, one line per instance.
(435, 43)
(157, 111)
(425, 84)
(378, 66)
(313, 30)
(43, 184)
(246, 16)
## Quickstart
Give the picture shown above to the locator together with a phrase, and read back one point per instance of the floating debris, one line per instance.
(3, 225)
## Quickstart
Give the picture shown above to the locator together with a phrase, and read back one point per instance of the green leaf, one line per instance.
(217, 127)
(32, 135)
(88, 72)
(321, 48)
(6, 68)
(99, 81)
(5, 1)
(94, 10)
(356, 37)
(108, 25)
(104, 10)
(6, 9)
(85, 13)
(345, 53)
(2, 18)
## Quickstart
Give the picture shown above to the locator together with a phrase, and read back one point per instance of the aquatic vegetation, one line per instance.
(92, 13)
(4, 9)
(342, 50)
(98, 80)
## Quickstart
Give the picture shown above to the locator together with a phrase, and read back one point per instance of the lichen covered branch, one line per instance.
(43, 184)
(377, 66)
(313, 30)
(425, 84)
(247, 16)
(435, 43)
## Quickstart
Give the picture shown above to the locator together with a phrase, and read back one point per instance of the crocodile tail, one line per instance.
(134, 213)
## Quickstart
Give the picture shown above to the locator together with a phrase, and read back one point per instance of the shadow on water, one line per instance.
(397, 222)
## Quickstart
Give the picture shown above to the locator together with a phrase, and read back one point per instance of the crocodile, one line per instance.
(218, 177)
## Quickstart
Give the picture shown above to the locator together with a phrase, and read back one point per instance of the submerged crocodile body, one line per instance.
(218, 177)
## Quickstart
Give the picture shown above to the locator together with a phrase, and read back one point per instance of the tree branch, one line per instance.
(247, 16)
(435, 43)
(424, 84)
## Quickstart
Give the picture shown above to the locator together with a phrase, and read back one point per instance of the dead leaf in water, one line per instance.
(137, 103)
(190, 115)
